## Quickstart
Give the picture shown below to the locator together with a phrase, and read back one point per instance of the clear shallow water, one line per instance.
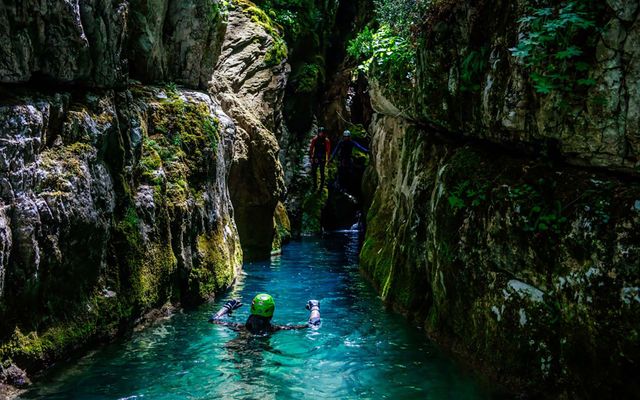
(361, 350)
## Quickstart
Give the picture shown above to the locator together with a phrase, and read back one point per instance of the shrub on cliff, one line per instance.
(386, 50)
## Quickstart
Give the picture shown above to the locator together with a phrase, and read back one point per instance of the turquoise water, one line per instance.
(360, 351)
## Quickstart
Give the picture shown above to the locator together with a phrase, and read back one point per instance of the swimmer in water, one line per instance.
(259, 322)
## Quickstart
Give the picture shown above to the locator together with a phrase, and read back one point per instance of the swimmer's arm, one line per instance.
(314, 318)
(227, 309)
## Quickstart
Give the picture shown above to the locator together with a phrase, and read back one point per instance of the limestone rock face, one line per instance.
(5, 245)
(113, 204)
(526, 267)
(63, 40)
(601, 129)
(251, 91)
(175, 40)
(529, 270)
(97, 42)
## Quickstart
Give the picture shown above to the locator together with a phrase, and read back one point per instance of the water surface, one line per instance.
(360, 351)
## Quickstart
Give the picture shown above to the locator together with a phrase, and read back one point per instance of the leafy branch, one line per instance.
(554, 45)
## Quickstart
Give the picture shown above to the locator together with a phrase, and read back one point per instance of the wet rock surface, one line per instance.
(596, 125)
(525, 267)
(14, 376)
(480, 229)
(98, 43)
(528, 269)
(251, 91)
(113, 204)
(114, 196)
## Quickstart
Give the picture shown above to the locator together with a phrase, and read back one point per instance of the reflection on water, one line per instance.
(361, 350)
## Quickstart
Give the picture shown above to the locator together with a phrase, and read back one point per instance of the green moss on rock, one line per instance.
(282, 225)
(215, 270)
(278, 51)
(513, 262)
(312, 211)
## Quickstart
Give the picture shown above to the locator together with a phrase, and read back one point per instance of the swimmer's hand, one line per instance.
(314, 317)
(226, 309)
(232, 305)
(313, 305)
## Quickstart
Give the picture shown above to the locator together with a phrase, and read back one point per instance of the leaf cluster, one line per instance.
(298, 18)
(554, 45)
(387, 56)
(469, 194)
(471, 70)
(387, 49)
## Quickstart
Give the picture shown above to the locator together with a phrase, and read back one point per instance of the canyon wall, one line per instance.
(126, 130)
(505, 220)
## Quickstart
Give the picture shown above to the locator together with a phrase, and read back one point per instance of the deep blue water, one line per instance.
(360, 351)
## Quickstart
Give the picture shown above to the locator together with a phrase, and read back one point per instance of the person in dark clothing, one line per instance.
(259, 322)
(344, 151)
(319, 154)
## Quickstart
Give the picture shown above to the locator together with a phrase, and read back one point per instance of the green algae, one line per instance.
(98, 318)
(215, 269)
(282, 225)
(312, 206)
(89, 297)
(182, 143)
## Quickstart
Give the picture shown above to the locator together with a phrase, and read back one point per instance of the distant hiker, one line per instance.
(319, 154)
(259, 322)
(344, 150)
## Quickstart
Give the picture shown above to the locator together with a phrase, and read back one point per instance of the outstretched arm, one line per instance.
(227, 309)
(360, 147)
(335, 150)
(314, 318)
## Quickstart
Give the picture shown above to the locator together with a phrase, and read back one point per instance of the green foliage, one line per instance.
(539, 215)
(555, 44)
(278, 52)
(402, 16)
(471, 70)
(468, 194)
(308, 78)
(297, 18)
(386, 55)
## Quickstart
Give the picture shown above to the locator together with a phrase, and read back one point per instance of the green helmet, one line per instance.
(263, 305)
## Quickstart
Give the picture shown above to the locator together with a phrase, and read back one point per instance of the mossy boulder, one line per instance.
(115, 204)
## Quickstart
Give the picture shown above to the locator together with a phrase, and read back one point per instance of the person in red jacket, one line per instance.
(319, 154)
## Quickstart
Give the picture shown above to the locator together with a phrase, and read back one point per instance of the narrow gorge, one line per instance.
(155, 162)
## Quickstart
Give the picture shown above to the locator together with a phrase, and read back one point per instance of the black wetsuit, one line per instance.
(258, 325)
(344, 151)
(320, 147)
